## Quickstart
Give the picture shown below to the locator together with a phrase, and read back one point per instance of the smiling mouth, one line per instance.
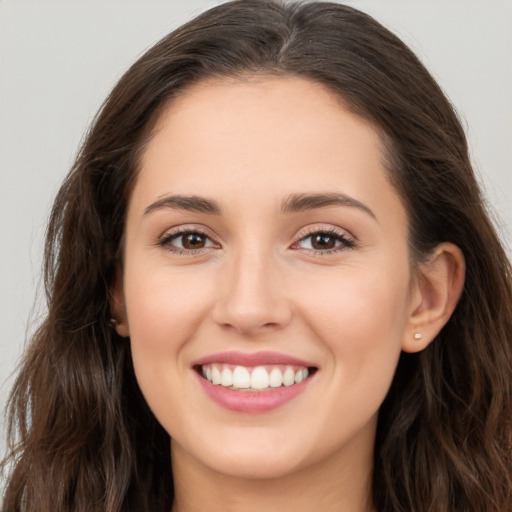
(258, 378)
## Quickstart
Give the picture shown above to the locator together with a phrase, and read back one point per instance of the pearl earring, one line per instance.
(417, 336)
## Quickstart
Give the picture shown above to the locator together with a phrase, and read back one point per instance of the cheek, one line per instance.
(357, 299)
(356, 318)
(360, 317)
(164, 305)
(165, 310)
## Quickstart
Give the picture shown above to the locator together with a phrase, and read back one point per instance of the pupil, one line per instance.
(323, 242)
(193, 241)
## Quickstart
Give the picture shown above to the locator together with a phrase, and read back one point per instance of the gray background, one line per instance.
(59, 59)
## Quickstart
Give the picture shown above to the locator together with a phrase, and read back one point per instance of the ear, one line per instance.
(118, 306)
(436, 289)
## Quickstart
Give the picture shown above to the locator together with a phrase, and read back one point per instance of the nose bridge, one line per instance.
(252, 297)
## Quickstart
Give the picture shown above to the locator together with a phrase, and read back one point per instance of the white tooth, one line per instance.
(299, 376)
(288, 376)
(305, 373)
(227, 377)
(259, 378)
(241, 378)
(216, 377)
(275, 378)
(203, 371)
(209, 373)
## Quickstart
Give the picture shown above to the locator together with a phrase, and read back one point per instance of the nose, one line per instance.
(252, 299)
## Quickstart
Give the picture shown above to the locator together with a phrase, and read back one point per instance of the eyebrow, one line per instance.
(292, 204)
(189, 203)
(303, 202)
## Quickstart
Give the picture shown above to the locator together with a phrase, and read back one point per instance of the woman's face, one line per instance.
(263, 233)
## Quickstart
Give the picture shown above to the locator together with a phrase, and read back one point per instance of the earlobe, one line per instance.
(437, 289)
(118, 307)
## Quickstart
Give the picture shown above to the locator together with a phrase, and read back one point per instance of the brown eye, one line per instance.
(187, 241)
(323, 241)
(193, 241)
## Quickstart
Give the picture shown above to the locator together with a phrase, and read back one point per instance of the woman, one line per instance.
(272, 284)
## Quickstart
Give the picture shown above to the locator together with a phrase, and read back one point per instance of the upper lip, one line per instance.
(252, 359)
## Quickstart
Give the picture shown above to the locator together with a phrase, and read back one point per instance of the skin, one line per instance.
(257, 284)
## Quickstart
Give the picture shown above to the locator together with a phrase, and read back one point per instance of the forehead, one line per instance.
(266, 108)
(261, 138)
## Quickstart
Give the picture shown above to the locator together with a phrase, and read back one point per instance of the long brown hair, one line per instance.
(82, 437)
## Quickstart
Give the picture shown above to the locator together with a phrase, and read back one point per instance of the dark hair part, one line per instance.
(82, 436)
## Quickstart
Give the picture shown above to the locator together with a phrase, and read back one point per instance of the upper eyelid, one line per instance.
(187, 228)
(311, 230)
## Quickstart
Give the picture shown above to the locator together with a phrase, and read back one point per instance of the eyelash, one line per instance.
(344, 241)
(166, 240)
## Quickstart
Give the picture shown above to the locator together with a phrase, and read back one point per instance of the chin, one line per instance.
(250, 454)
(255, 465)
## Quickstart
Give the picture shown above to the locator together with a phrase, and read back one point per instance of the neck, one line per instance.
(340, 484)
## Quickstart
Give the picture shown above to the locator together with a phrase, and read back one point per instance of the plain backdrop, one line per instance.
(59, 59)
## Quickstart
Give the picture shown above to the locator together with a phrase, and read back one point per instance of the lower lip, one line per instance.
(252, 401)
